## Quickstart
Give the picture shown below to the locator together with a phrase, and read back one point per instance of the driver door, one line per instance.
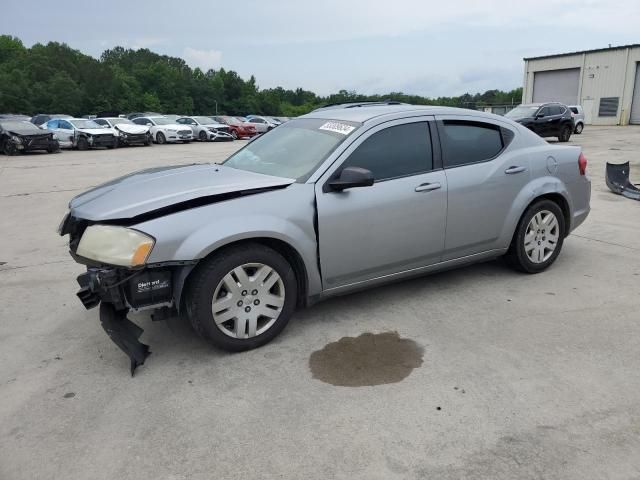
(395, 225)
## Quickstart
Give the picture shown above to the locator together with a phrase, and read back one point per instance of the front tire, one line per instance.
(160, 138)
(82, 144)
(242, 297)
(565, 134)
(579, 129)
(538, 239)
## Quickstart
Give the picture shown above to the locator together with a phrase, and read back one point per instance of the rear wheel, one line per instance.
(579, 128)
(160, 138)
(242, 298)
(538, 238)
(565, 133)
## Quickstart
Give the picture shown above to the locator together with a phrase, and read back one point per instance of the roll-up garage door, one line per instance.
(635, 105)
(557, 86)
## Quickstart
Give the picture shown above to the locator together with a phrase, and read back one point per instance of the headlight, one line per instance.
(16, 139)
(115, 245)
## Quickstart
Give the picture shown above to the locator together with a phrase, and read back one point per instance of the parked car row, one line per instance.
(51, 132)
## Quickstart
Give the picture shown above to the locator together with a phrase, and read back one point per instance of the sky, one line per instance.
(424, 47)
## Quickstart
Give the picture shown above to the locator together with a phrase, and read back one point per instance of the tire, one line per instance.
(160, 138)
(202, 136)
(213, 279)
(82, 144)
(565, 133)
(149, 141)
(234, 134)
(579, 128)
(113, 145)
(9, 149)
(519, 255)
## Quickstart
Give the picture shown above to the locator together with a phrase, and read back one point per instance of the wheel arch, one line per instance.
(284, 248)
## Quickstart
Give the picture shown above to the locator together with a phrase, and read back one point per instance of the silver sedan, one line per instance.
(331, 202)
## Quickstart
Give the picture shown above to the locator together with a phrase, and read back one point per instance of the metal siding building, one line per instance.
(606, 82)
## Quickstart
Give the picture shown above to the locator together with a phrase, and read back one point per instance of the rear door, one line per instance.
(540, 123)
(484, 176)
(395, 225)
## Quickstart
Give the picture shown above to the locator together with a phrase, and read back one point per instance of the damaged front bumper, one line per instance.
(119, 291)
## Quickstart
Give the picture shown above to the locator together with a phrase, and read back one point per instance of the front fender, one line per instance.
(534, 189)
(286, 214)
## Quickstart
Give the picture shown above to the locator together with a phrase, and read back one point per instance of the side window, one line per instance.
(52, 124)
(395, 152)
(257, 120)
(140, 121)
(64, 124)
(101, 121)
(469, 142)
(556, 110)
(544, 111)
(181, 121)
(574, 109)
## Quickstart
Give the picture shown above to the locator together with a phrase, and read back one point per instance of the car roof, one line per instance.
(369, 112)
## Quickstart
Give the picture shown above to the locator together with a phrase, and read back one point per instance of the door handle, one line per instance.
(512, 170)
(428, 187)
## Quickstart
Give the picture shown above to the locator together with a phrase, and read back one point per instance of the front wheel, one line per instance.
(538, 238)
(565, 133)
(234, 134)
(241, 298)
(160, 138)
(202, 136)
(579, 129)
(82, 144)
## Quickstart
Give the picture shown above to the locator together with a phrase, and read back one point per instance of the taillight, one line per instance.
(582, 164)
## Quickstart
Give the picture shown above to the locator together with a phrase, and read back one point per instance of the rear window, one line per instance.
(469, 142)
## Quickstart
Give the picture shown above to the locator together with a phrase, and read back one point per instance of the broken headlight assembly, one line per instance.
(115, 245)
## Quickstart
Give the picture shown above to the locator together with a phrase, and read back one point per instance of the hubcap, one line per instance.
(248, 300)
(541, 237)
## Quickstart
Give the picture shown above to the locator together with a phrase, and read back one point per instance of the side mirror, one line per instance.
(539, 115)
(352, 177)
(149, 124)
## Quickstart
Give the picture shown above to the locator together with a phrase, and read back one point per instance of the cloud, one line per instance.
(203, 59)
(147, 42)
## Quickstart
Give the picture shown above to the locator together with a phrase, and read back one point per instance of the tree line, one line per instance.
(54, 78)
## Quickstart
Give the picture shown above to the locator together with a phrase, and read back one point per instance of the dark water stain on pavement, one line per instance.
(367, 360)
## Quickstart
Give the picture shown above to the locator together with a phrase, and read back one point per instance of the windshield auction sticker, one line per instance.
(338, 127)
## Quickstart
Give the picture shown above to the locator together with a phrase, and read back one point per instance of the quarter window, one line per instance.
(395, 152)
(469, 142)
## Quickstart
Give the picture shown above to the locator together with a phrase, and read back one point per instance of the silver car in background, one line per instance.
(206, 128)
(328, 203)
(577, 112)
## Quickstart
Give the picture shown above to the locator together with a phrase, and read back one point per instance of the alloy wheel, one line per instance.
(541, 237)
(248, 300)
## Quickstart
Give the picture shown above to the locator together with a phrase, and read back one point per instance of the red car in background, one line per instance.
(238, 129)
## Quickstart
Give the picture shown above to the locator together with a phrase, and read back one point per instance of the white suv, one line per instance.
(578, 117)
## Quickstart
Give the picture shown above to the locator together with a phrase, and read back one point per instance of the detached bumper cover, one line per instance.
(125, 334)
(617, 178)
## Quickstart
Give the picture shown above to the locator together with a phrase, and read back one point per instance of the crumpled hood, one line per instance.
(132, 129)
(161, 188)
(96, 131)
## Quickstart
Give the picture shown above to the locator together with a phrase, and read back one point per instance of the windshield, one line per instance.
(522, 112)
(22, 127)
(118, 121)
(86, 124)
(293, 150)
(205, 120)
(161, 121)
